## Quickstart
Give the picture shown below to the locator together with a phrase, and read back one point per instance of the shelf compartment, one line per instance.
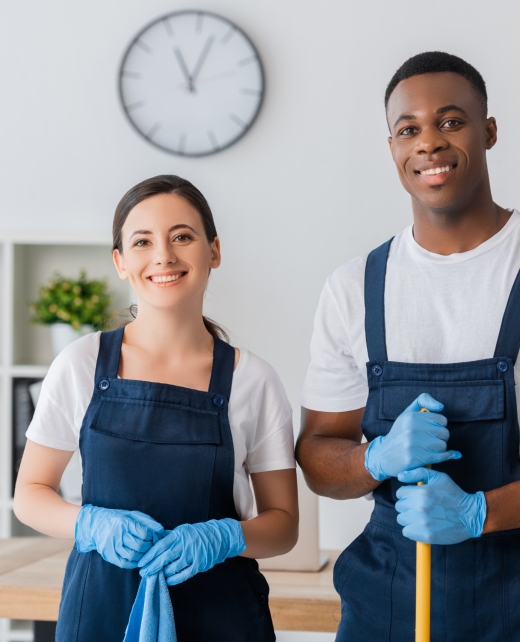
(33, 266)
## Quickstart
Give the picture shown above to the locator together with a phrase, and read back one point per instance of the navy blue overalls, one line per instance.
(166, 451)
(475, 584)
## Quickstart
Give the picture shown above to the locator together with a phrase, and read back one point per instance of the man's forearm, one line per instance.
(503, 508)
(335, 467)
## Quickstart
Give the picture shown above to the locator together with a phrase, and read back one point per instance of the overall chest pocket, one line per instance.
(463, 401)
(156, 422)
(476, 412)
(154, 457)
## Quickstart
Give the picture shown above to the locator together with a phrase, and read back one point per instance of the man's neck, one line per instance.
(459, 229)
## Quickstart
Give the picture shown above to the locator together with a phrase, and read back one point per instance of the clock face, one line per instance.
(191, 83)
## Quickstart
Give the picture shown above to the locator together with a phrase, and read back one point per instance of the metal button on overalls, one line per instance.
(168, 452)
(475, 584)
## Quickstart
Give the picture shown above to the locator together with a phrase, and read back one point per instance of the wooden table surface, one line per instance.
(32, 570)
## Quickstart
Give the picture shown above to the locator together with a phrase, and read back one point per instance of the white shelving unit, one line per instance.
(25, 348)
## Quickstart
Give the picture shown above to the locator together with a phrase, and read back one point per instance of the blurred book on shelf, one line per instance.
(25, 397)
(23, 411)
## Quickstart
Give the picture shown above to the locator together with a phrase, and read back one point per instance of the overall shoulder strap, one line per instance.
(375, 274)
(109, 354)
(508, 343)
(222, 370)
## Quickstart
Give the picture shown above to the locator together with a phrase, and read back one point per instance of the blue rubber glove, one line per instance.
(194, 548)
(121, 537)
(415, 439)
(439, 512)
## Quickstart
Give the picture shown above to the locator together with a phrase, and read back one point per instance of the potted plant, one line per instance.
(72, 307)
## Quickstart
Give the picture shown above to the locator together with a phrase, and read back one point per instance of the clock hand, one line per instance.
(184, 68)
(202, 57)
(224, 74)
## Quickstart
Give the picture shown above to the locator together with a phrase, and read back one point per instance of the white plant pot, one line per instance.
(63, 333)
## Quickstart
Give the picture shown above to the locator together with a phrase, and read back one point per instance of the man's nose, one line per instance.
(430, 141)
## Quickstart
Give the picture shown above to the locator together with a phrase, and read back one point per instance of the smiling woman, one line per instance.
(172, 423)
(163, 188)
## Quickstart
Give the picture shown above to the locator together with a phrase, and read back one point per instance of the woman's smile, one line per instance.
(166, 280)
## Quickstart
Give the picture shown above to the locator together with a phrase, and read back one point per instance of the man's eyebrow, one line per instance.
(172, 229)
(443, 110)
(404, 117)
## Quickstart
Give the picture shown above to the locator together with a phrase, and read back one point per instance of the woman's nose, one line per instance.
(165, 255)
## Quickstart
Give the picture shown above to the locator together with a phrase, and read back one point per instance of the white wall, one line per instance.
(311, 186)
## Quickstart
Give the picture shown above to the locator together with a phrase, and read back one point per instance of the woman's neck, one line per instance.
(154, 331)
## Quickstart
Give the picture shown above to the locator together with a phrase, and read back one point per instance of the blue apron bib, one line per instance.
(168, 452)
(475, 584)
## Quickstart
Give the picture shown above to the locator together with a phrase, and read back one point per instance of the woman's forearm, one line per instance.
(36, 500)
(274, 532)
(41, 508)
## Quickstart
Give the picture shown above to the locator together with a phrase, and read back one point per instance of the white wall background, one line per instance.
(309, 187)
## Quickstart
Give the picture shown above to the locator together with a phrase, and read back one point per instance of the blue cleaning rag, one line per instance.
(151, 619)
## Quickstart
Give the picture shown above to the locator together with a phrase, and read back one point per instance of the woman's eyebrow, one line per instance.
(172, 229)
(181, 225)
(139, 232)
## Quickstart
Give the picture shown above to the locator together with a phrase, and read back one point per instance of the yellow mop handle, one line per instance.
(422, 587)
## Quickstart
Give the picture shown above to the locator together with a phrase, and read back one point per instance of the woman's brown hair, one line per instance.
(167, 184)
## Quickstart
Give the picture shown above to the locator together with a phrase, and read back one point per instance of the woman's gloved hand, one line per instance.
(121, 537)
(439, 512)
(194, 548)
(415, 439)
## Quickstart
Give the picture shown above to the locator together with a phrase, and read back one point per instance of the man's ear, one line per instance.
(390, 144)
(491, 132)
(119, 262)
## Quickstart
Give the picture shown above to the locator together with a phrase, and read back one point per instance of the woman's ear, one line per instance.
(119, 262)
(215, 253)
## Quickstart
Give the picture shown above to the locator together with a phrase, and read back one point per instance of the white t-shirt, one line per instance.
(438, 309)
(260, 414)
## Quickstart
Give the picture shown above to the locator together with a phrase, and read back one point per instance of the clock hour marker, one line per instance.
(131, 74)
(213, 140)
(227, 36)
(198, 25)
(182, 143)
(238, 121)
(153, 131)
(168, 27)
(251, 92)
(246, 61)
(136, 105)
(143, 46)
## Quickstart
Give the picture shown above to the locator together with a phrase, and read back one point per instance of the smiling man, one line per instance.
(428, 321)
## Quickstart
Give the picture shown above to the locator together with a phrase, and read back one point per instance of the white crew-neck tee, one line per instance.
(438, 309)
(260, 414)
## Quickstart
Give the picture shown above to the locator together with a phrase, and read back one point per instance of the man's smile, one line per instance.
(435, 173)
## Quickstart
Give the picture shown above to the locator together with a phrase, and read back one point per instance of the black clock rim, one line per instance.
(167, 149)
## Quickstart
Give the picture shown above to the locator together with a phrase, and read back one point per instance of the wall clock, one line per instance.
(191, 83)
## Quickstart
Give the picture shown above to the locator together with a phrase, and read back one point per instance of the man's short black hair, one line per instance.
(431, 62)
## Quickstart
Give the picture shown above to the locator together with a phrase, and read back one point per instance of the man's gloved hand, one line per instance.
(194, 548)
(415, 439)
(439, 512)
(121, 537)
